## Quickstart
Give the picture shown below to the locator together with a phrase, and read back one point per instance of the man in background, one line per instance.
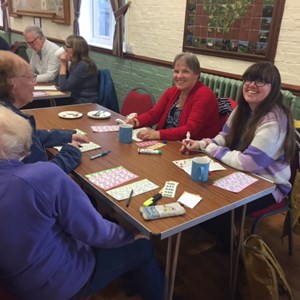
(43, 60)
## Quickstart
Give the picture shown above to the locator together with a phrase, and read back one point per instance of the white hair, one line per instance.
(15, 135)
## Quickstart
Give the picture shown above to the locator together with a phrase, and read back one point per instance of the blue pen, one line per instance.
(100, 154)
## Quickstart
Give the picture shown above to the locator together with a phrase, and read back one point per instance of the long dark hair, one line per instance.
(245, 121)
(80, 52)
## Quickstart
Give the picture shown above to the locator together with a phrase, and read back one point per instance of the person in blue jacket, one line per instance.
(17, 82)
(54, 244)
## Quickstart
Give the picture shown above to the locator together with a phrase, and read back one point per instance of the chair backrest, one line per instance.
(107, 92)
(138, 100)
(20, 49)
(226, 105)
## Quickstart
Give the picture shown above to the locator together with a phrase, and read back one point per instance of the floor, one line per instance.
(203, 265)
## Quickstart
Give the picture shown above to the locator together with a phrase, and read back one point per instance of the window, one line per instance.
(1, 17)
(236, 29)
(97, 23)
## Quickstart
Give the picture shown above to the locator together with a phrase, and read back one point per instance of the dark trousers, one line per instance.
(135, 263)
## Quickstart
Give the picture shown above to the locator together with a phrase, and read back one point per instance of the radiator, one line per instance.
(222, 86)
(226, 87)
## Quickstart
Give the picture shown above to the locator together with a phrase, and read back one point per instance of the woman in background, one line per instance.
(78, 72)
(188, 106)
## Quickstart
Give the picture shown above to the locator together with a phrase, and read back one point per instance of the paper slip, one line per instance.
(146, 143)
(186, 165)
(156, 146)
(110, 178)
(189, 200)
(84, 147)
(138, 187)
(169, 190)
(45, 88)
(105, 128)
(78, 131)
(39, 94)
(235, 182)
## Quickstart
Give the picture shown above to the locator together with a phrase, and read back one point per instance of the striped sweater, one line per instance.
(264, 156)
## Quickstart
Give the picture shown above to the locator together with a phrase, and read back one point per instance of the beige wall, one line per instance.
(155, 30)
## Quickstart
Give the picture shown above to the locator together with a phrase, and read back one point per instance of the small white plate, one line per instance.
(99, 114)
(69, 114)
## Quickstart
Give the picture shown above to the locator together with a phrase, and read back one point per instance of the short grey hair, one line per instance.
(15, 135)
(35, 30)
(191, 61)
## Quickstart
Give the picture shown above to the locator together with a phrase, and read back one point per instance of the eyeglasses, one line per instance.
(68, 46)
(258, 83)
(31, 43)
(29, 76)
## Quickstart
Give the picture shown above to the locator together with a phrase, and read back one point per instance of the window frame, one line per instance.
(271, 44)
(103, 41)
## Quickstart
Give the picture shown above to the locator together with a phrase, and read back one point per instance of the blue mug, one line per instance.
(125, 133)
(200, 169)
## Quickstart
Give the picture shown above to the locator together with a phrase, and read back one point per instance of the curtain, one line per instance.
(119, 12)
(4, 7)
(76, 4)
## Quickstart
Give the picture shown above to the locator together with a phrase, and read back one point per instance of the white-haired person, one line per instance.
(54, 244)
(17, 81)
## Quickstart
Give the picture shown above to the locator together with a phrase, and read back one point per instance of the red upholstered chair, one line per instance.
(138, 100)
(276, 208)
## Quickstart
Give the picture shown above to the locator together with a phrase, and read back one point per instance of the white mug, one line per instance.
(59, 52)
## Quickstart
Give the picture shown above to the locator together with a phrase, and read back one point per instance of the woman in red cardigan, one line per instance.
(188, 106)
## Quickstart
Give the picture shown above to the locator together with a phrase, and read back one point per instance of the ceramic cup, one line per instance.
(200, 169)
(59, 52)
(125, 133)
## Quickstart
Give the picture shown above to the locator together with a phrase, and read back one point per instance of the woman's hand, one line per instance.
(140, 235)
(132, 121)
(80, 138)
(190, 145)
(148, 134)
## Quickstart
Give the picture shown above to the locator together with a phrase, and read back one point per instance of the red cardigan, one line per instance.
(199, 115)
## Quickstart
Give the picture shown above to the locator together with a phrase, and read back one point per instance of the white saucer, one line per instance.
(69, 114)
(99, 114)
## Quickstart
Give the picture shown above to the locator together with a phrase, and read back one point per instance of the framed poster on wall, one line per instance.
(243, 29)
(56, 10)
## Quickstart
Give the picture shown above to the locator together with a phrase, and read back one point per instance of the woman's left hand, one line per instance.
(80, 138)
(148, 134)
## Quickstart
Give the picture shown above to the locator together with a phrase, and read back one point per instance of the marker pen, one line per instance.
(152, 200)
(100, 154)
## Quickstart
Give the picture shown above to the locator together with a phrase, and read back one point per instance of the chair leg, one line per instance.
(290, 229)
(254, 225)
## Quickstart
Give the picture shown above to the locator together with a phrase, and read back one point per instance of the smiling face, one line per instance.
(254, 93)
(184, 78)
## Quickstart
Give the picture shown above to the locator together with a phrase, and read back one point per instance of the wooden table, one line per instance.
(158, 169)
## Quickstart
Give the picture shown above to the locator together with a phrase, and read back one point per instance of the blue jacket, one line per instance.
(48, 227)
(67, 159)
(107, 92)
